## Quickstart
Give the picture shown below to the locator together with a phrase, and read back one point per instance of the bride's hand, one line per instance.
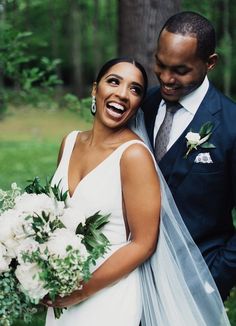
(62, 302)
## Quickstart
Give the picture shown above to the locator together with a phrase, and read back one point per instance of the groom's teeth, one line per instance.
(169, 88)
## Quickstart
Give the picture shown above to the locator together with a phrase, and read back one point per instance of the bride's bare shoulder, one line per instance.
(137, 154)
(84, 135)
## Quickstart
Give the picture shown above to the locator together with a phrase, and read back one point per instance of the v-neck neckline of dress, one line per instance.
(91, 171)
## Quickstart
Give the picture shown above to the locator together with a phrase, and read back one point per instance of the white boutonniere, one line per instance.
(195, 139)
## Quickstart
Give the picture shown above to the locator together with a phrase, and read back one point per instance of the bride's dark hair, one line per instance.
(113, 62)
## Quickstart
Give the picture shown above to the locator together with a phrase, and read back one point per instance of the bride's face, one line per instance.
(119, 94)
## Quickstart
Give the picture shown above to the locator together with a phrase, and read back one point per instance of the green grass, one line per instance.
(29, 144)
(30, 141)
(21, 161)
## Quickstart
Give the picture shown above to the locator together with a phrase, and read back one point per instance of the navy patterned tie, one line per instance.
(163, 134)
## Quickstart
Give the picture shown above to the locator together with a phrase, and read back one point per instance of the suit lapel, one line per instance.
(173, 165)
(150, 108)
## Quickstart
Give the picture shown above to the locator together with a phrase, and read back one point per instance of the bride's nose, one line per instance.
(122, 92)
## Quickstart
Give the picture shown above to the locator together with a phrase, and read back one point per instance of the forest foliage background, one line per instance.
(69, 40)
(50, 52)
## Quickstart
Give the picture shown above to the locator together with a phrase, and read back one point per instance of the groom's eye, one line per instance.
(181, 70)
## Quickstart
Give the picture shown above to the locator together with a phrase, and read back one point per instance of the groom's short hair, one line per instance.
(188, 23)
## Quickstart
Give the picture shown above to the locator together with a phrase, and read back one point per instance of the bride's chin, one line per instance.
(114, 123)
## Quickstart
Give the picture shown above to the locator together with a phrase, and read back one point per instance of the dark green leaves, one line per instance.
(94, 239)
(43, 227)
(35, 187)
(206, 129)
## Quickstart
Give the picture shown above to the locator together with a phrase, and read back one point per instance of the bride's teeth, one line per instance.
(117, 106)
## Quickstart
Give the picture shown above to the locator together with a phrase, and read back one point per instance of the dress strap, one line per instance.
(120, 150)
(69, 145)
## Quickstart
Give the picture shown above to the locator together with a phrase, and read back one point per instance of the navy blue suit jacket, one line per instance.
(205, 193)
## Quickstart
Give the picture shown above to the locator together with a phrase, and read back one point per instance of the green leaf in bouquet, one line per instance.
(97, 235)
(56, 224)
(14, 304)
(93, 237)
(90, 243)
(59, 195)
(35, 187)
(97, 220)
(80, 229)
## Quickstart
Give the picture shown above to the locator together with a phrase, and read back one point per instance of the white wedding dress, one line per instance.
(100, 190)
(172, 288)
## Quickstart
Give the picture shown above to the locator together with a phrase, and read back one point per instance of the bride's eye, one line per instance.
(113, 81)
(137, 90)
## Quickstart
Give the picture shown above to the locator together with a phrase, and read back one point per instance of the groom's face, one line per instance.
(179, 70)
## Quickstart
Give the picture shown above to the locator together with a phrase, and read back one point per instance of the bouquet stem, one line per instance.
(58, 312)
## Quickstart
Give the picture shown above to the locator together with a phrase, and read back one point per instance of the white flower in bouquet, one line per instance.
(14, 228)
(52, 247)
(71, 218)
(8, 220)
(27, 245)
(60, 240)
(23, 228)
(4, 259)
(34, 203)
(59, 207)
(31, 284)
(7, 198)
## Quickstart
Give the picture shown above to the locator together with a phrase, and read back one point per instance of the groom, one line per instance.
(203, 182)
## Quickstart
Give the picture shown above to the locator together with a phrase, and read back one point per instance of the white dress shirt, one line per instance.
(182, 118)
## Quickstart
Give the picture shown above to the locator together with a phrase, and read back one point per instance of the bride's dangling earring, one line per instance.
(93, 105)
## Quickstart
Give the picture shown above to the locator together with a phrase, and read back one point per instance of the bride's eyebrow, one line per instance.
(113, 75)
(121, 78)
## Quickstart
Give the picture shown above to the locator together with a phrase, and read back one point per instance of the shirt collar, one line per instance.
(192, 101)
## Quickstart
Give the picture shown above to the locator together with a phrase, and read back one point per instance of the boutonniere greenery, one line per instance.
(195, 139)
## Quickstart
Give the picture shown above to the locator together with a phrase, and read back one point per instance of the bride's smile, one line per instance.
(118, 94)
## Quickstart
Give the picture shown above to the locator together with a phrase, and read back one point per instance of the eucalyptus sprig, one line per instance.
(15, 304)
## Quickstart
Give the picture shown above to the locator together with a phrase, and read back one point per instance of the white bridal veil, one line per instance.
(177, 287)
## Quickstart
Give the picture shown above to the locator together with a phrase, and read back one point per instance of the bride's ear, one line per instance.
(94, 89)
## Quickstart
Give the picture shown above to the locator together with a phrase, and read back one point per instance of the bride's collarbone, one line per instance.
(82, 162)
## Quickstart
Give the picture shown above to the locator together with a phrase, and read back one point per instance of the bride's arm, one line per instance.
(61, 150)
(141, 193)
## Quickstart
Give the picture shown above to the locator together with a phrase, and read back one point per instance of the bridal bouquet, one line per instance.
(46, 248)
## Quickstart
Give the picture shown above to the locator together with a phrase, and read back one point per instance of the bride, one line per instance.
(152, 270)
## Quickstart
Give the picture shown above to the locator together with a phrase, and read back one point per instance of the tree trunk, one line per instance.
(54, 35)
(139, 25)
(76, 53)
(2, 21)
(227, 49)
(96, 38)
(2, 96)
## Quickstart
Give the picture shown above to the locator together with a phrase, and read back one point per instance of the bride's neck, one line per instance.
(104, 135)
